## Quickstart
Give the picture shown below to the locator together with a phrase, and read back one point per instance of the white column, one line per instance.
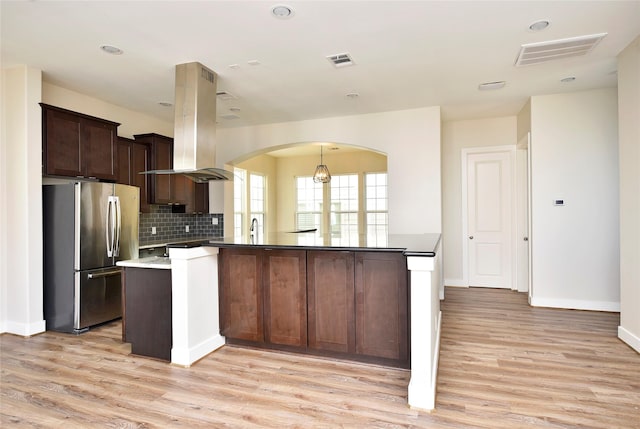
(21, 293)
(194, 285)
(425, 330)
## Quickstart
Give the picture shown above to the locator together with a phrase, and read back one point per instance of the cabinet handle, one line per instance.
(471, 237)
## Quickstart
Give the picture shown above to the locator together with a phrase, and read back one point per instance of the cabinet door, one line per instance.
(62, 145)
(140, 163)
(285, 298)
(99, 144)
(184, 192)
(241, 294)
(330, 282)
(147, 312)
(162, 160)
(201, 204)
(123, 175)
(382, 305)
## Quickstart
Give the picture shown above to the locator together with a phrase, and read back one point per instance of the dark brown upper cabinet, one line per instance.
(133, 158)
(78, 145)
(171, 189)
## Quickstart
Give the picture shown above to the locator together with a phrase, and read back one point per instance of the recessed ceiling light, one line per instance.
(568, 79)
(165, 104)
(111, 50)
(234, 66)
(539, 25)
(253, 62)
(281, 11)
(492, 85)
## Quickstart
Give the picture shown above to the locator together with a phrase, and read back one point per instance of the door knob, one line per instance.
(526, 239)
(471, 237)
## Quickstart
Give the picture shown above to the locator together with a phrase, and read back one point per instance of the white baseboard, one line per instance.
(23, 329)
(632, 340)
(455, 283)
(187, 356)
(576, 304)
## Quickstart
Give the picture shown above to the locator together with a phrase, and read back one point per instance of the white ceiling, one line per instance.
(408, 54)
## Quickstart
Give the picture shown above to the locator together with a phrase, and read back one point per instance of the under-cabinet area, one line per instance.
(344, 304)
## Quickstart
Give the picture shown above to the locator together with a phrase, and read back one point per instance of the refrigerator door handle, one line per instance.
(117, 227)
(110, 226)
(104, 274)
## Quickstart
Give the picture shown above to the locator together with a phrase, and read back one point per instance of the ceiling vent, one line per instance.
(341, 60)
(535, 53)
(224, 95)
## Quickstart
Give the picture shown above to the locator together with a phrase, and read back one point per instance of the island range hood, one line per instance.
(194, 138)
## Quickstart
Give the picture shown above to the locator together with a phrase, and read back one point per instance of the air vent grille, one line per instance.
(535, 53)
(341, 60)
(207, 74)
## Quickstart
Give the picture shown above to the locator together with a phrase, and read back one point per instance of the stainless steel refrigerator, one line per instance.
(88, 227)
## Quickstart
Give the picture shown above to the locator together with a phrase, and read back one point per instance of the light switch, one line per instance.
(153, 230)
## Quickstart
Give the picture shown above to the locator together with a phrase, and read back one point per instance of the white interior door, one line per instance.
(489, 209)
(522, 216)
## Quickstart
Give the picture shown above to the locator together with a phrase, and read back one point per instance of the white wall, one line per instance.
(21, 201)
(410, 138)
(574, 156)
(131, 122)
(629, 146)
(457, 135)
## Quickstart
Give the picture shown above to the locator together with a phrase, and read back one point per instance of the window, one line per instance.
(248, 203)
(309, 197)
(376, 208)
(257, 205)
(345, 209)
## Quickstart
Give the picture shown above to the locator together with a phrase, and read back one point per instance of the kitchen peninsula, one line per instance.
(304, 292)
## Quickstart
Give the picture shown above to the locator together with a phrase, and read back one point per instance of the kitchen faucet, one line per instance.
(254, 227)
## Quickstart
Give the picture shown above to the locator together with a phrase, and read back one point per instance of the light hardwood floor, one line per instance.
(503, 364)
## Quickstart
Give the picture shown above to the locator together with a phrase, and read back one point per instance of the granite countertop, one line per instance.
(409, 244)
(166, 242)
(156, 262)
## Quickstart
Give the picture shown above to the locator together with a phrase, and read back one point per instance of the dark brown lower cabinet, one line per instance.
(331, 316)
(147, 312)
(241, 294)
(344, 304)
(382, 317)
(285, 298)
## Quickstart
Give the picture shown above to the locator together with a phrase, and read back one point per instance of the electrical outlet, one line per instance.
(153, 230)
(186, 228)
(214, 221)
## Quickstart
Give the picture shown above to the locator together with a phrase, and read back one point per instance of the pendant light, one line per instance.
(322, 174)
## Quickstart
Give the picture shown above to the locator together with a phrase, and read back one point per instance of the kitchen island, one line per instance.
(308, 293)
(296, 268)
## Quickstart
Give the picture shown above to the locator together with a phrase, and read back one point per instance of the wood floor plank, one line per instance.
(503, 364)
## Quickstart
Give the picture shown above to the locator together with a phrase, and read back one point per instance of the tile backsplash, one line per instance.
(172, 226)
